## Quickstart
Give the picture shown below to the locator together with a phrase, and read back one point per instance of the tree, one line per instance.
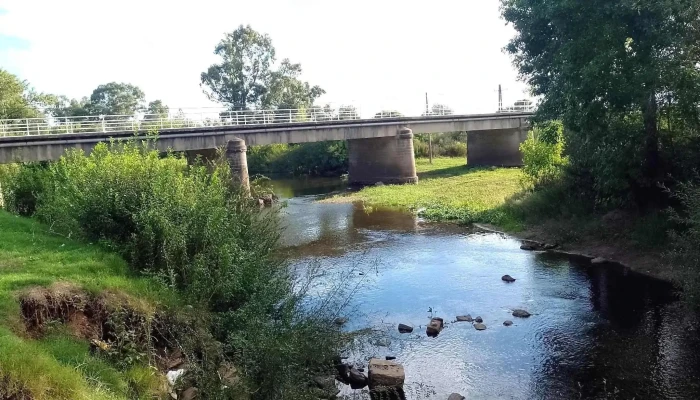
(116, 99)
(605, 67)
(241, 79)
(62, 107)
(388, 114)
(17, 99)
(286, 91)
(157, 107)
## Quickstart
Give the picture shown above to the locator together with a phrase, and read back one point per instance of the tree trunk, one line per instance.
(652, 170)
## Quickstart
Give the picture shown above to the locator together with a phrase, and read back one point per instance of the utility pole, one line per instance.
(430, 135)
(500, 98)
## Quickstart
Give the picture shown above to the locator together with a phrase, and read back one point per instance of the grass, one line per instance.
(60, 366)
(448, 190)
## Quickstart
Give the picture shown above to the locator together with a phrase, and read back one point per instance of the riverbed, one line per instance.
(595, 332)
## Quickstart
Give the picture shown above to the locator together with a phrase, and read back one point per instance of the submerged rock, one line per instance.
(479, 326)
(385, 373)
(464, 318)
(507, 278)
(508, 322)
(521, 313)
(340, 321)
(403, 328)
(434, 327)
(528, 247)
(389, 358)
(456, 396)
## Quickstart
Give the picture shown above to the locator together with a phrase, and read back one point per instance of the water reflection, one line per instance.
(595, 332)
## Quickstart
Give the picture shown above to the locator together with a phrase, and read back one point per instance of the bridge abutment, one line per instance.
(238, 161)
(388, 160)
(495, 148)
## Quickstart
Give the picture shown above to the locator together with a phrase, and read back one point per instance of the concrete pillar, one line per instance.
(236, 156)
(495, 148)
(389, 160)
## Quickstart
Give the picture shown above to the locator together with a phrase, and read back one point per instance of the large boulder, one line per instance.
(385, 373)
(434, 327)
(521, 313)
(403, 328)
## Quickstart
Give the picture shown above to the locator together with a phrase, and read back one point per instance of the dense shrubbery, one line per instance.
(542, 155)
(685, 254)
(312, 159)
(444, 145)
(197, 233)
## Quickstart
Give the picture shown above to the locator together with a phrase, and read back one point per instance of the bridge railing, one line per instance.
(50, 125)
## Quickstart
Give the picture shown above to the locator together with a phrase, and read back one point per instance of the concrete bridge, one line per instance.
(380, 149)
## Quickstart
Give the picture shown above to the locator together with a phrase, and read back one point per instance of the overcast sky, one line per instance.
(379, 54)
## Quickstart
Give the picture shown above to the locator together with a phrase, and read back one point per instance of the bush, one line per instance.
(542, 155)
(193, 230)
(444, 145)
(22, 186)
(685, 254)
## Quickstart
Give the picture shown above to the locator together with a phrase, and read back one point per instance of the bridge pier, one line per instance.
(495, 148)
(238, 161)
(388, 160)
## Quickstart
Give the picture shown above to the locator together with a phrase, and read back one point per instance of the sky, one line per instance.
(372, 54)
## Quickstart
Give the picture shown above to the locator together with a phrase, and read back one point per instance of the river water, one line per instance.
(595, 332)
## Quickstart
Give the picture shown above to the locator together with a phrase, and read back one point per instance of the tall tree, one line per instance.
(286, 91)
(116, 99)
(240, 79)
(157, 107)
(604, 66)
(17, 99)
(62, 107)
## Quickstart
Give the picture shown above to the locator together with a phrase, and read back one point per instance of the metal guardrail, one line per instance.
(50, 125)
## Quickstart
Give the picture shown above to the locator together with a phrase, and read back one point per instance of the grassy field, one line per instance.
(448, 190)
(59, 365)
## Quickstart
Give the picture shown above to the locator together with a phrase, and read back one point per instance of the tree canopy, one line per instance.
(245, 79)
(18, 99)
(117, 99)
(608, 68)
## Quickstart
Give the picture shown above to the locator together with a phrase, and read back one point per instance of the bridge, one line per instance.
(380, 149)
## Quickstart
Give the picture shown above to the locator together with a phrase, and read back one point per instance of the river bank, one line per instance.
(497, 199)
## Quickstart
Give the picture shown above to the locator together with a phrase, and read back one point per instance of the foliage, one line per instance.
(611, 71)
(348, 112)
(116, 99)
(388, 114)
(21, 187)
(685, 254)
(542, 155)
(18, 99)
(62, 107)
(157, 107)
(313, 159)
(245, 79)
(196, 233)
(444, 145)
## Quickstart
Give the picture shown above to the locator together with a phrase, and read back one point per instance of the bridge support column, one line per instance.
(495, 148)
(388, 160)
(236, 156)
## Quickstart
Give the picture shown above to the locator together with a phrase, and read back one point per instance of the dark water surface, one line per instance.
(595, 332)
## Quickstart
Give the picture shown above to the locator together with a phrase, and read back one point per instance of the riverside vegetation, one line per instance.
(122, 264)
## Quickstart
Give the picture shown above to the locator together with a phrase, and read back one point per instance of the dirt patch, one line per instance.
(10, 390)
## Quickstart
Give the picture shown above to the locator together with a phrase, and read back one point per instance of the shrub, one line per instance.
(192, 229)
(21, 186)
(542, 155)
(685, 253)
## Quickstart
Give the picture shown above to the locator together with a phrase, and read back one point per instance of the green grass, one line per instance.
(448, 190)
(60, 366)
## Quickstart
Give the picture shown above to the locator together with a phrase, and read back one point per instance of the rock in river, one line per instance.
(385, 373)
(521, 313)
(456, 396)
(508, 323)
(403, 328)
(434, 327)
(479, 326)
(478, 320)
(508, 278)
(357, 379)
(464, 318)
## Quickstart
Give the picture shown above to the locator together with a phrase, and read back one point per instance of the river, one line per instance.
(594, 333)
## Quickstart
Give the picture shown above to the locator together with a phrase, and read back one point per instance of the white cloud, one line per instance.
(376, 54)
